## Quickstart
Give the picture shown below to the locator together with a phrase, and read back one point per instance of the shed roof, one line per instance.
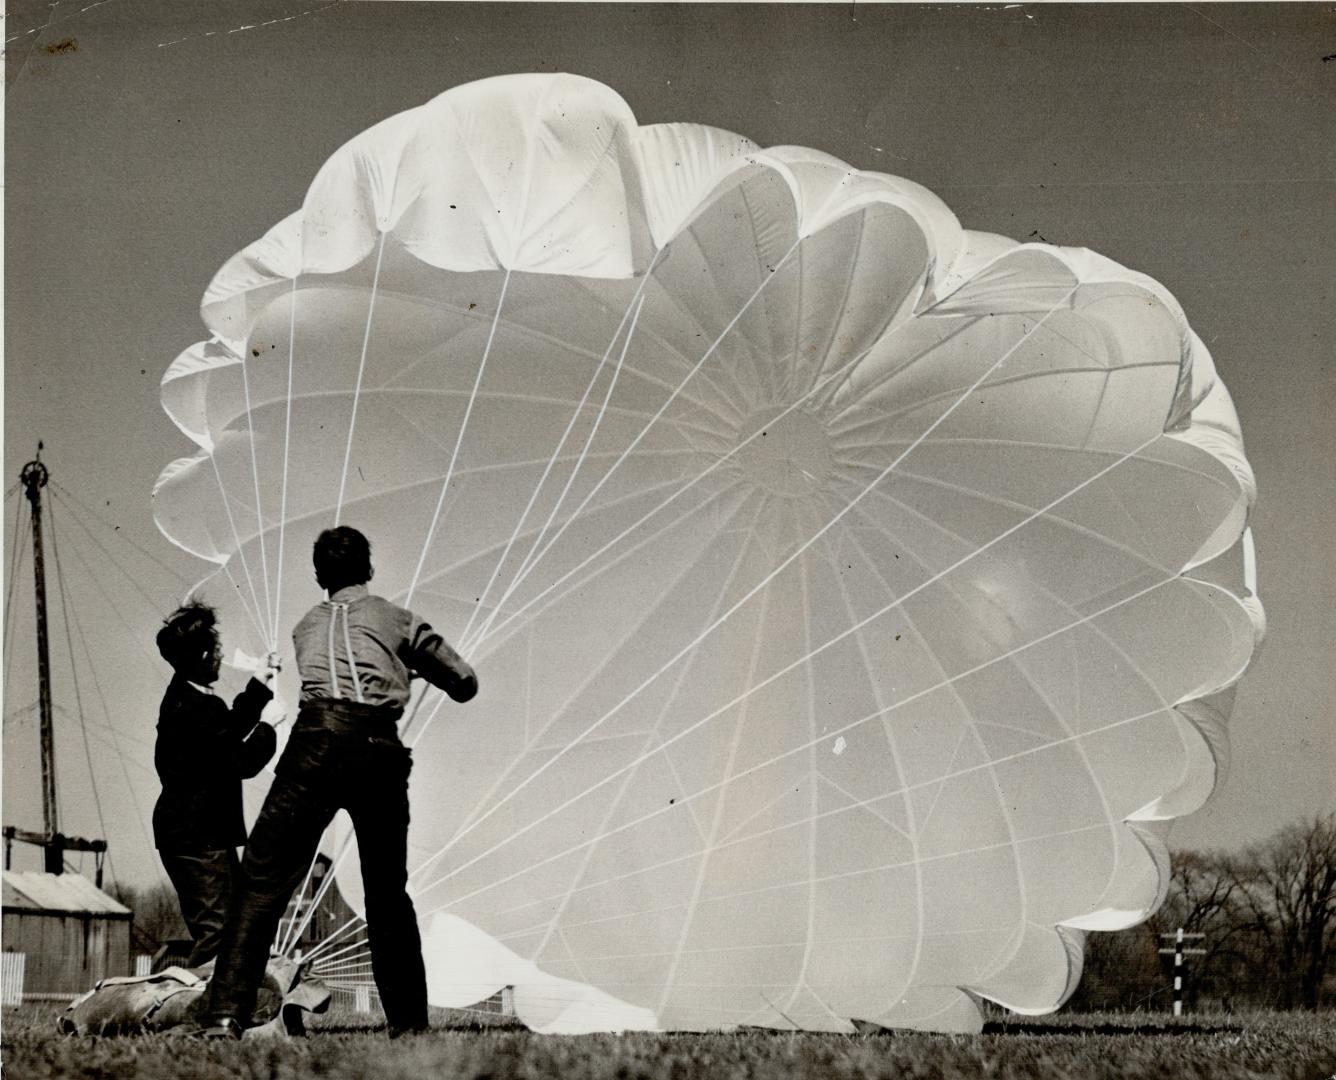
(33, 890)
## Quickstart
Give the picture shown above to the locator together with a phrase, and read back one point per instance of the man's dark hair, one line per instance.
(342, 557)
(187, 633)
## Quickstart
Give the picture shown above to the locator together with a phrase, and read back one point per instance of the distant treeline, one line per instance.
(1268, 919)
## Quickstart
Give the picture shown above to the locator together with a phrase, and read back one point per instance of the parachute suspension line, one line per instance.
(535, 737)
(1038, 691)
(325, 883)
(717, 818)
(361, 962)
(440, 695)
(357, 388)
(805, 590)
(900, 864)
(901, 703)
(971, 721)
(321, 890)
(338, 952)
(638, 300)
(351, 964)
(860, 804)
(788, 560)
(465, 641)
(592, 576)
(329, 939)
(271, 632)
(245, 566)
(668, 401)
(287, 440)
(971, 732)
(615, 805)
(683, 489)
(1042, 511)
(584, 450)
(912, 832)
(417, 695)
(286, 943)
(459, 439)
(241, 596)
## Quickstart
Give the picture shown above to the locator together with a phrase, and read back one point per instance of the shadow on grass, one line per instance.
(1077, 1030)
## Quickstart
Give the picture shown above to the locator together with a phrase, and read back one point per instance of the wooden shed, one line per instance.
(72, 933)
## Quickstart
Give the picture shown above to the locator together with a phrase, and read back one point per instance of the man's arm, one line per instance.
(425, 653)
(247, 706)
(253, 742)
(256, 749)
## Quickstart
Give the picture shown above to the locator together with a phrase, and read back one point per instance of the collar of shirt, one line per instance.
(202, 689)
(349, 593)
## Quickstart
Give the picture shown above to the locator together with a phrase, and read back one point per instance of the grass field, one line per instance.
(1104, 1046)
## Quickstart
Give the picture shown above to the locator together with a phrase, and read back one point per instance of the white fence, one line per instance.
(12, 965)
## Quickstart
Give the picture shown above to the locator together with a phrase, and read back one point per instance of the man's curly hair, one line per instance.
(187, 633)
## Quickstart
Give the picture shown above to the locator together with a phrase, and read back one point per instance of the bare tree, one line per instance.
(1203, 895)
(1204, 898)
(157, 916)
(1288, 885)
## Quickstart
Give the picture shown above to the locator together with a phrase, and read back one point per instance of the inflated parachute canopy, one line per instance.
(856, 598)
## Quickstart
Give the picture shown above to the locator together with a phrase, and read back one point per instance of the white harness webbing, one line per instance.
(348, 647)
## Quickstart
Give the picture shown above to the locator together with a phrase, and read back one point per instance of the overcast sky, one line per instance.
(145, 142)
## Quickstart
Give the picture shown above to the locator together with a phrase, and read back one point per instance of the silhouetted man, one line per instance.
(356, 654)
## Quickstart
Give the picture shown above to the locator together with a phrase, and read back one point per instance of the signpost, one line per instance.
(1178, 952)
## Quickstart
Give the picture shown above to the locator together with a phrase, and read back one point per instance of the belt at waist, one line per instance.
(347, 717)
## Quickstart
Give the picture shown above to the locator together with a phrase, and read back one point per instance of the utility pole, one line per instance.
(53, 842)
(34, 477)
(1178, 952)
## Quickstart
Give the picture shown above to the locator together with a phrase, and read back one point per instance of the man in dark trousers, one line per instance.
(356, 654)
(204, 750)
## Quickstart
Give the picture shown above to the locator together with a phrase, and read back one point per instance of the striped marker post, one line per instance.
(1179, 951)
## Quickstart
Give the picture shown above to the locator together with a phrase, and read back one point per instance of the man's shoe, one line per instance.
(227, 1029)
(397, 1032)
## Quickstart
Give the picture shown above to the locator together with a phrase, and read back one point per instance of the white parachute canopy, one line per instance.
(855, 597)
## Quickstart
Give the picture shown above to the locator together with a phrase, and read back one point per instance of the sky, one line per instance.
(146, 142)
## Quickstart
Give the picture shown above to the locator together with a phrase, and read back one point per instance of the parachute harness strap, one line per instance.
(336, 609)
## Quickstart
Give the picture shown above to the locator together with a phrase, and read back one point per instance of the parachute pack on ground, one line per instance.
(856, 597)
(175, 999)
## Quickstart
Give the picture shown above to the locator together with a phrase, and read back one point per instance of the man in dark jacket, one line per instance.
(204, 751)
(356, 654)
